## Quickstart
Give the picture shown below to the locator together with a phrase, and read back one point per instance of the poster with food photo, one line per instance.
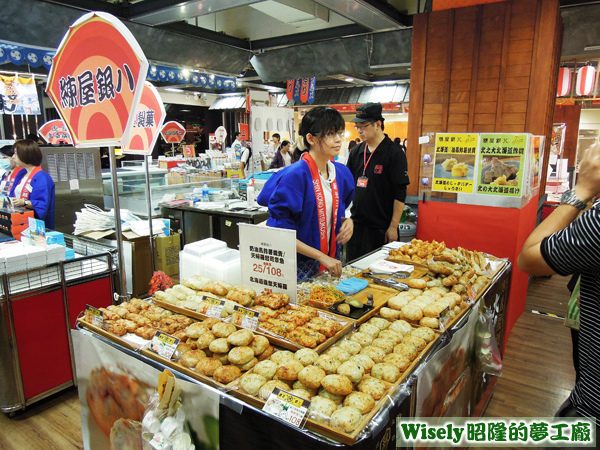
(455, 162)
(502, 164)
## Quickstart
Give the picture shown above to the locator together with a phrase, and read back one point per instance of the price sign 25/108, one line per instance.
(267, 269)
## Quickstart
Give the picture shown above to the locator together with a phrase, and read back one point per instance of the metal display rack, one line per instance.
(38, 308)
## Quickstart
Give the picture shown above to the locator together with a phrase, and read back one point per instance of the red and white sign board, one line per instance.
(55, 132)
(148, 122)
(96, 80)
(173, 132)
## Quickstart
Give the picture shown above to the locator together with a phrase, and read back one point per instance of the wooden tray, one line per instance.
(324, 429)
(150, 354)
(273, 338)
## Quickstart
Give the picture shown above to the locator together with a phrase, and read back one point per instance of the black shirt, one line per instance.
(387, 174)
(575, 249)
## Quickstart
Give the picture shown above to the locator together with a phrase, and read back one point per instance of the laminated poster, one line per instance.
(455, 162)
(502, 164)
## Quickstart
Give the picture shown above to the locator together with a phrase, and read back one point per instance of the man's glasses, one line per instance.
(362, 127)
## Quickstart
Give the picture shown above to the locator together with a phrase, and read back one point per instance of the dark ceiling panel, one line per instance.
(391, 48)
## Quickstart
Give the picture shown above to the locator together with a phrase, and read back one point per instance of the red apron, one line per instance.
(8, 182)
(27, 186)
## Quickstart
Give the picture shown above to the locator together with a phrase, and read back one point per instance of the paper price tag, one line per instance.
(445, 316)
(94, 316)
(488, 270)
(245, 318)
(471, 291)
(287, 407)
(211, 307)
(164, 344)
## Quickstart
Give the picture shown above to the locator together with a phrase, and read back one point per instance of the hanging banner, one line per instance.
(312, 87)
(19, 95)
(244, 131)
(297, 86)
(149, 118)
(564, 82)
(502, 163)
(454, 162)
(304, 91)
(173, 132)
(97, 79)
(55, 132)
(290, 89)
(585, 80)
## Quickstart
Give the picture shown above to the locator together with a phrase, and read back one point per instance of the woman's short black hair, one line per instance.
(319, 121)
(28, 151)
(7, 151)
(284, 143)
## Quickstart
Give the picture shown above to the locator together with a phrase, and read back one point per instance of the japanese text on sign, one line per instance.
(87, 88)
(287, 407)
(164, 344)
(245, 318)
(144, 119)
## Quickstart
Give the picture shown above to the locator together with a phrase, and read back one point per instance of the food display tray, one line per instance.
(151, 355)
(276, 340)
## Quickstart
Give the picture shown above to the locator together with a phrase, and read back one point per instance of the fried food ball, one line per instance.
(302, 393)
(337, 384)
(385, 372)
(289, 370)
(266, 389)
(394, 336)
(252, 382)
(344, 308)
(387, 345)
(364, 361)
(361, 401)
(401, 362)
(182, 347)
(321, 409)
(281, 356)
(267, 353)
(240, 355)
(412, 312)
(425, 333)
(227, 374)
(191, 358)
(241, 337)
(346, 419)
(336, 398)
(265, 368)
(306, 356)
(259, 344)
(390, 313)
(375, 353)
(247, 366)
(353, 370)
(372, 386)
(328, 363)
(204, 340)
(407, 350)
(362, 338)
(338, 353)
(300, 385)
(311, 376)
(222, 357)
(379, 322)
(371, 330)
(207, 366)
(430, 322)
(223, 330)
(401, 326)
(196, 329)
(350, 346)
(220, 345)
(211, 322)
(418, 342)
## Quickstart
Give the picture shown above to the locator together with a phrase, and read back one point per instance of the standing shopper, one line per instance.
(33, 188)
(380, 175)
(283, 156)
(311, 195)
(563, 245)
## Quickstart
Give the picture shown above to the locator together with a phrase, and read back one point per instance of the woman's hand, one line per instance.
(17, 201)
(333, 266)
(346, 231)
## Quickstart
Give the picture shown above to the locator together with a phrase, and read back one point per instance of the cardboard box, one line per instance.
(167, 253)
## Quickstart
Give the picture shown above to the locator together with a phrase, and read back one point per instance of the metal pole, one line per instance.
(115, 189)
(2, 132)
(149, 199)
(12, 117)
(24, 125)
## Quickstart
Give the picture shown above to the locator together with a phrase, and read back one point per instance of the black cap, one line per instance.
(7, 151)
(368, 112)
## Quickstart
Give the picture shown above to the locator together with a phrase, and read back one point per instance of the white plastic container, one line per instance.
(204, 247)
(225, 266)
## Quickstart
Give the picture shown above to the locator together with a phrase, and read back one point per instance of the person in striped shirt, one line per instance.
(563, 245)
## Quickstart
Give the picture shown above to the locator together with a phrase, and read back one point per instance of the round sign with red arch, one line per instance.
(96, 80)
(173, 132)
(148, 122)
(55, 132)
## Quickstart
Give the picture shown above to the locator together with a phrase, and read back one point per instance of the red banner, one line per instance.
(290, 89)
(244, 131)
(55, 132)
(96, 80)
(148, 122)
(304, 90)
(173, 132)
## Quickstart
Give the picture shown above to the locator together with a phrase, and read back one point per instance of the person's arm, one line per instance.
(334, 266)
(588, 185)
(391, 234)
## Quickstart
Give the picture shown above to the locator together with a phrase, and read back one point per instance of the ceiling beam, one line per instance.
(308, 37)
(376, 15)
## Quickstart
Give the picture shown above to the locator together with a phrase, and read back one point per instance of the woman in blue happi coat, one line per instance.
(311, 196)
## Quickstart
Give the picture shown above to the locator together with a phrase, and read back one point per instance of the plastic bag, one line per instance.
(163, 429)
(488, 354)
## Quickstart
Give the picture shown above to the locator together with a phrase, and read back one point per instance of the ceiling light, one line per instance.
(185, 110)
(185, 73)
(173, 90)
(348, 79)
(591, 48)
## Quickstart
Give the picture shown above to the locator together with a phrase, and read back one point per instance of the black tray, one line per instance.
(355, 313)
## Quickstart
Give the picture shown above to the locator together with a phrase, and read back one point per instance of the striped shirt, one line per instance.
(576, 249)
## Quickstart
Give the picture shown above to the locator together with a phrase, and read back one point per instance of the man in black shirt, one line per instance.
(380, 173)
